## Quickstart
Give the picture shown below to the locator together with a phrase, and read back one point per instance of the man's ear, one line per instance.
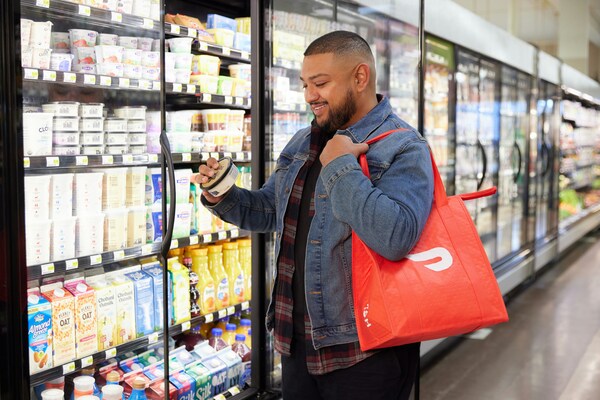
(362, 75)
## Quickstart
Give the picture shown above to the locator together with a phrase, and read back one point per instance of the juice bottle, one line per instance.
(222, 323)
(244, 328)
(234, 272)
(206, 283)
(242, 350)
(235, 319)
(205, 329)
(229, 335)
(245, 256)
(215, 266)
(139, 389)
(176, 253)
(191, 339)
(216, 339)
(194, 295)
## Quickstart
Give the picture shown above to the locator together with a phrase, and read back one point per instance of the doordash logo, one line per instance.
(437, 253)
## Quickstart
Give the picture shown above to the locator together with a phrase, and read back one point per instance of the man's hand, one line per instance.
(205, 172)
(340, 145)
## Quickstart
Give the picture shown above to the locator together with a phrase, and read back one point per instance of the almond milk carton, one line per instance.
(106, 309)
(63, 322)
(86, 326)
(39, 331)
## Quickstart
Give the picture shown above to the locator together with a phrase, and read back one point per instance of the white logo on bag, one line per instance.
(444, 255)
(365, 313)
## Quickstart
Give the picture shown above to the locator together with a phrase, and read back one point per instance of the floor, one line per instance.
(550, 348)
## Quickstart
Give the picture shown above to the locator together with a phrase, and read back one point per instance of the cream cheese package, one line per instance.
(86, 328)
(39, 325)
(144, 302)
(63, 321)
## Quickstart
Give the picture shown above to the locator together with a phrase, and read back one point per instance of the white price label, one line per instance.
(52, 162)
(89, 79)
(85, 10)
(153, 158)
(146, 249)
(43, 3)
(87, 361)
(153, 338)
(203, 46)
(228, 100)
(177, 87)
(194, 240)
(118, 255)
(245, 305)
(219, 397)
(116, 17)
(26, 162)
(72, 264)
(143, 84)
(105, 80)
(186, 157)
(96, 259)
(174, 244)
(124, 82)
(48, 75)
(227, 154)
(230, 310)
(110, 353)
(31, 73)
(127, 158)
(148, 23)
(245, 55)
(206, 97)
(239, 101)
(222, 313)
(214, 155)
(204, 156)
(69, 77)
(81, 160)
(68, 368)
(234, 390)
(108, 160)
(235, 233)
(48, 269)
(175, 29)
(226, 51)
(185, 326)
(191, 89)
(209, 318)
(192, 33)
(156, 86)
(222, 235)
(207, 238)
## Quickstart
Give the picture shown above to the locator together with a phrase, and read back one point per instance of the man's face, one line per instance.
(328, 90)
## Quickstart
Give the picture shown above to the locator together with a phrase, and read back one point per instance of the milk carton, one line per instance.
(156, 391)
(203, 379)
(204, 350)
(179, 280)
(234, 366)
(182, 356)
(125, 305)
(218, 374)
(106, 310)
(144, 302)
(86, 327)
(63, 321)
(154, 269)
(39, 324)
(185, 384)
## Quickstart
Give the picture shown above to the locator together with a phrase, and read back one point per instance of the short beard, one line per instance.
(339, 117)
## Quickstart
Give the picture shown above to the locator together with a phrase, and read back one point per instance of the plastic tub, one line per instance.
(180, 121)
(206, 65)
(183, 61)
(236, 141)
(132, 71)
(137, 112)
(25, 31)
(84, 56)
(182, 185)
(111, 69)
(197, 138)
(137, 149)
(136, 125)
(62, 108)
(91, 138)
(181, 142)
(53, 394)
(156, 45)
(116, 138)
(214, 119)
(128, 42)
(26, 57)
(224, 37)
(153, 143)
(37, 196)
(107, 39)
(180, 44)
(40, 58)
(115, 125)
(151, 59)
(60, 42)
(61, 196)
(132, 56)
(241, 88)
(208, 141)
(41, 34)
(66, 124)
(241, 71)
(89, 234)
(87, 193)
(183, 220)
(208, 84)
(151, 73)
(61, 62)
(182, 76)
(85, 68)
(82, 38)
(141, 8)
(114, 186)
(115, 229)
(136, 226)
(125, 6)
(137, 138)
(109, 54)
(63, 238)
(92, 150)
(65, 138)
(116, 149)
(225, 86)
(153, 121)
(37, 245)
(66, 150)
(145, 43)
(91, 110)
(37, 133)
(91, 124)
(136, 186)
(235, 120)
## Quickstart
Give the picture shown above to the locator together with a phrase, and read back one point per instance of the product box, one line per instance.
(153, 186)
(204, 350)
(156, 391)
(242, 42)
(218, 21)
(106, 310)
(203, 379)
(125, 304)
(39, 325)
(234, 366)
(185, 384)
(182, 356)
(86, 326)
(153, 268)
(144, 302)
(218, 374)
(149, 357)
(154, 223)
(63, 321)
(179, 281)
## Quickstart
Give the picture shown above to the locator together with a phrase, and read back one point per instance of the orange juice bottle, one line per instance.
(206, 283)
(234, 272)
(229, 334)
(245, 256)
(244, 328)
(176, 253)
(215, 266)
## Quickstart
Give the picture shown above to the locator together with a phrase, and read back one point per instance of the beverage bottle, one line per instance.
(139, 390)
(113, 378)
(242, 350)
(206, 283)
(58, 383)
(52, 394)
(176, 253)
(222, 324)
(194, 295)
(83, 386)
(234, 272)
(244, 328)
(112, 392)
(205, 329)
(245, 256)
(229, 335)
(191, 339)
(235, 319)
(215, 266)
(216, 339)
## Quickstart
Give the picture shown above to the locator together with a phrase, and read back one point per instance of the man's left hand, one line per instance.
(340, 145)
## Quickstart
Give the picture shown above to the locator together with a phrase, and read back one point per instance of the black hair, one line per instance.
(340, 43)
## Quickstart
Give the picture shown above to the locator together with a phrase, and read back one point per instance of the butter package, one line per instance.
(202, 376)
(154, 269)
(179, 281)
(125, 305)
(218, 21)
(63, 321)
(39, 325)
(218, 374)
(106, 310)
(185, 385)
(144, 302)
(86, 326)
(234, 366)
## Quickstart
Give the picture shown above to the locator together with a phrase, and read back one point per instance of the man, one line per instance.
(314, 199)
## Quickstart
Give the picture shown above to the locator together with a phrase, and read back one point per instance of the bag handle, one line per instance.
(439, 191)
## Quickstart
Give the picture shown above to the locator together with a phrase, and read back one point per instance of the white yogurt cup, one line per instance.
(128, 42)
(135, 186)
(182, 76)
(170, 61)
(132, 56)
(141, 8)
(65, 150)
(183, 61)
(37, 245)
(116, 138)
(133, 112)
(145, 44)
(90, 234)
(181, 142)
(85, 68)
(151, 73)
(82, 38)
(25, 31)
(60, 42)
(63, 238)
(91, 124)
(116, 149)
(114, 186)
(180, 121)
(84, 56)
(136, 125)
(26, 57)
(91, 110)
(137, 149)
(40, 58)
(66, 124)
(37, 134)
(183, 220)
(137, 138)
(136, 226)
(62, 108)
(180, 45)
(107, 39)
(111, 69)
(109, 54)
(61, 61)
(132, 71)
(151, 59)
(87, 193)
(61, 196)
(115, 229)
(37, 196)
(53, 394)
(153, 122)
(65, 138)
(41, 34)
(115, 125)
(91, 138)
(92, 150)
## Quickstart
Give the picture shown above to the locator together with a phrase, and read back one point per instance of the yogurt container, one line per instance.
(66, 124)
(141, 8)
(182, 76)
(137, 138)
(92, 150)
(84, 55)
(63, 238)
(65, 138)
(91, 124)
(37, 134)
(135, 112)
(91, 138)
(223, 180)
(111, 69)
(62, 108)
(65, 150)
(109, 54)
(61, 196)
(116, 138)
(60, 42)
(137, 149)
(145, 44)
(132, 56)
(37, 245)
(85, 68)
(153, 121)
(91, 110)
(128, 42)
(180, 44)
(116, 149)
(25, 31)
(151, 73)
(180, 121)
(89, 234)
(26, 57)
(40, 58)
(82, 38)
(153, 142)
(41, 36)
(107, 39)
(37, 197)
(151, 59)
(87, 193)
(136, 125)
(115, 125)
(132, 71)
(61, 61)
(181, 142)
(183, 61)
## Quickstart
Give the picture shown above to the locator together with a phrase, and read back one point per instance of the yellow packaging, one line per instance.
(106, 310)
(63, 321)
(235, 274)
(86, 327)
(243, 25)
(215, 266)
(206, 283)
(179, 278)
(125, 307)
(245, 254)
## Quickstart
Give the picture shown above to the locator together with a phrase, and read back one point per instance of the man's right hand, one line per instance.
(205, 172)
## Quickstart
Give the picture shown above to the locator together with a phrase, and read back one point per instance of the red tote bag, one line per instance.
(444, 287)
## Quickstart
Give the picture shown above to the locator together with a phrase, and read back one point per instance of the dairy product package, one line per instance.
(182, 186)
(218, 372)
(202, 376)
(154, 223)
(61, 196)
(115, 229)
(153, 186)
(182, 356)
(136, 186)
(63, 321)
(179, 281)
(155, 271)
(183, 219)
(39, 325)
(106, 310)
(89, 234)
(156, 390)
(87, 193)
(63, 238)
(144, 302)
(86, 327)
(234, 366)
(136, 226)
(37, 197)
(125, 304)
(204, 350)
(37, 245)
(185, 384)
(114, 186)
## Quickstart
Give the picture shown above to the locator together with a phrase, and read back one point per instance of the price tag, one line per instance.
(209, 318)
(175, 29)
(186, 157)
(222, 235)
(204, 156)
(143, 84)
(207, 238)
(177, 87)
(174, 244)
(227, 154)
(206, 97)
(228, 100)
(26, 162)
(87, 361)
(226, 51)
(146, 249)
(156, 86)
(68, 368)
(127, 158)
(31, 73)
(52, 162)
(85, 10)
(302, 107)
(81, 160)
(72, 264)
(185, 326)
(191, 89)
(203, 46)
(116, 17)
(222, 313)
(48, 269)
(153, 338)
(153, 158)
(69, 77)
(245, 55)
(43, 3)
(239, 101)
(235, 233)
(89, 79)
(148, 23)
(192, 33)
(118, 255)
(230, 310)
(214, 155)
(96, 259)
(124, 82)
(110, 353)
(48, 75)
(105, 80)
(194, 240)
(107, 160)
(234, 390)
(219, 397)
(245, 305)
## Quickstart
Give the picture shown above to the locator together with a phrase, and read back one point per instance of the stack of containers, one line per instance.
(178, 61)
(82, 42)
(65, 126)
(223, 129)
(37, 133)
(87, 207)
(153, 129)
(179, 126)
(35, 44)
(133, 138)
(37, 218)
(91, 124)
(205, 73)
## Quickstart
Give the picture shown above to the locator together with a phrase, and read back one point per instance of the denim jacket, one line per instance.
(387, 212)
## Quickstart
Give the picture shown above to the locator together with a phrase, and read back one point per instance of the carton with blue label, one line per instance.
(234, 366)
(144, 302)
(215, 21)
(153, 268)
(185, 384)
(202, 376)
(39, 324)
(218, 374)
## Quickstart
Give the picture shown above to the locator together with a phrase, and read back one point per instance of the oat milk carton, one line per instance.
(125, 305)
(203, 379)
(86, 326)
(106, 309)
(63, 322)
(39, 332)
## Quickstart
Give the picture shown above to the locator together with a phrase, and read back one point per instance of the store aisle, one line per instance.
(550, 348)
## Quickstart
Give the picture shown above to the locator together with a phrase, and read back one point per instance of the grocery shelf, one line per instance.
(221, 51)
(137, 344)
(287, 64)
(195, 158)
(243, 103)
(77, 264)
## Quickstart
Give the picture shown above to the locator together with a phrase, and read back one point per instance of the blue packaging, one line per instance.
(154, 222)
(241, 41)
(218, 21)
(218, 370)
(144, 302)
(155, 271)
(185, 384)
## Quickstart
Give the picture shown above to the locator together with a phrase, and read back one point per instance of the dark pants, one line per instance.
(389, 374)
